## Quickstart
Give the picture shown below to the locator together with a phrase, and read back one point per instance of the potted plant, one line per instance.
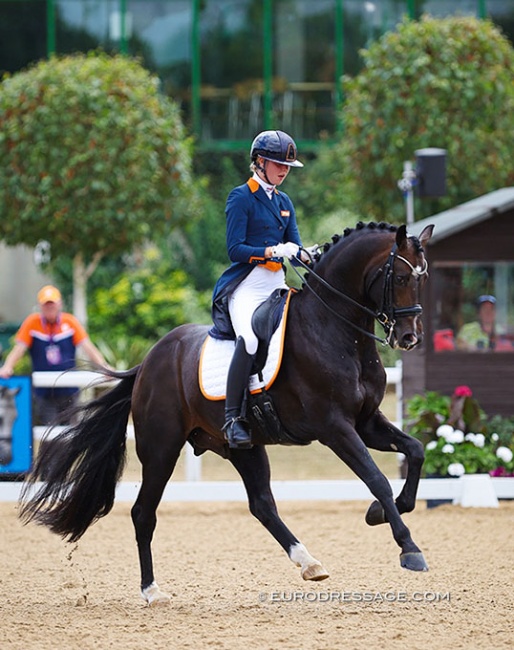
(458, 436)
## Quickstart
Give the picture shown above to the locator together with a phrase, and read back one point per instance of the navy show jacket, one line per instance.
(254, 222)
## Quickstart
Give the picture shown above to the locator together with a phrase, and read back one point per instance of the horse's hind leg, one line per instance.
(158, 465)
(253, 467)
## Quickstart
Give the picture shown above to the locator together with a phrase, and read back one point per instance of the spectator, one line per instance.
(52, 337)
(480, 334)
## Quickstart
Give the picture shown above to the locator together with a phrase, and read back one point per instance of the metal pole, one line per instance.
(406, 185)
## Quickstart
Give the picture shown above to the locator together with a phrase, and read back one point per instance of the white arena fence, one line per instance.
(195, 489)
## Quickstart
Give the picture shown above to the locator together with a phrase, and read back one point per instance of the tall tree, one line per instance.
(93, 159)
(434, 83)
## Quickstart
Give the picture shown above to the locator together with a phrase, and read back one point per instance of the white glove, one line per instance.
(307, 254)
(285, 250)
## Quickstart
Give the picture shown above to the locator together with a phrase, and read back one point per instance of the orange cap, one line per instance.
(48, 294)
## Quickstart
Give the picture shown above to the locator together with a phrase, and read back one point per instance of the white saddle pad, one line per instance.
(217, 355)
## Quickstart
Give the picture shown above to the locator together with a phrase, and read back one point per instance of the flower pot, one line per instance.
(433, 503)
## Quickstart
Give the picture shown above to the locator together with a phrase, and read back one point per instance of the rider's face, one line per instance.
(276, 172)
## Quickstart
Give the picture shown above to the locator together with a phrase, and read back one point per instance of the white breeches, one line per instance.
(258, 285)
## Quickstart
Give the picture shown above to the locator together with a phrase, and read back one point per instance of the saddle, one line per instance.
(268, 322)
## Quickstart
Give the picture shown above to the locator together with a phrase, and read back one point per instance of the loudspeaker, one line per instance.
(431, 172)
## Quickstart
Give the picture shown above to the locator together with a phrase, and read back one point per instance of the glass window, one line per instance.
(474, 308)
(501, 12)
(160, 32)
(304, 67)
(22, 34)
(365, 22)
(442, 8)
(231, 53)
(83, 25)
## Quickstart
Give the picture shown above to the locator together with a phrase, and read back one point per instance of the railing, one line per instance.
(195, 489)
(193, 464)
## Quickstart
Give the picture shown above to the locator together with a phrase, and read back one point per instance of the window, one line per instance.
(474, 308)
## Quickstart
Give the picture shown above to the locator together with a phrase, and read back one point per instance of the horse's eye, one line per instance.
(402, 280)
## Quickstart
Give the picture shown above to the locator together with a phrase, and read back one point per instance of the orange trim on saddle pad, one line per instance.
(216, 356)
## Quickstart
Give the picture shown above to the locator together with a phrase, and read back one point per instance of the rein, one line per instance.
(388, 313)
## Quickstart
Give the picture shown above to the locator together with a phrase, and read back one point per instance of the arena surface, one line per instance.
(233, 587)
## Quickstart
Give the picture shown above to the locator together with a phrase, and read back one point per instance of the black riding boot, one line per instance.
(236, 427)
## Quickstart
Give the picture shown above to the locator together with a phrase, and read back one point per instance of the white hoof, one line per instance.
(154, 596)
(311, 568)
(315, 572)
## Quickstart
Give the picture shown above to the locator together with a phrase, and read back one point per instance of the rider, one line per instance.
(261, 231)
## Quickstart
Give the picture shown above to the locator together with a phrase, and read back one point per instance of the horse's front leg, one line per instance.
(253, 467)
(348, 445)
(380, 434)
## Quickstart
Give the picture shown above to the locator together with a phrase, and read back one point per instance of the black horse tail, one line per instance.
(81, 466)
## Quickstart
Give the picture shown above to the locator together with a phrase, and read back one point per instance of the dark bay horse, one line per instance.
(329, 388)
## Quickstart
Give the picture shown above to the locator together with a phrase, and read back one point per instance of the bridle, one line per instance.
(388, 313)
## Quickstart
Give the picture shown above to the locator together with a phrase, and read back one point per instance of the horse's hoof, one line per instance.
(413, 561)
(375, 514)
(315, 572)
(154, 596)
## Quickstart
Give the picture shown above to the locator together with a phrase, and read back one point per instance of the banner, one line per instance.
(16, 444)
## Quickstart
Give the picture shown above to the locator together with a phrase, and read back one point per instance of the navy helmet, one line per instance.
(276, 146)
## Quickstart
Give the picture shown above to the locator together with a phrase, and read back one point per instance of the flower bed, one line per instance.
(459, 437)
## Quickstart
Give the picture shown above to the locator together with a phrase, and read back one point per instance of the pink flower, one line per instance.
(463, 391)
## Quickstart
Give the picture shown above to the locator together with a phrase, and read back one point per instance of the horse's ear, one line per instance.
(401, 235)
(426, 234)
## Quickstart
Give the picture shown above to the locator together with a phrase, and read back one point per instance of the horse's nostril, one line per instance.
(409, 340)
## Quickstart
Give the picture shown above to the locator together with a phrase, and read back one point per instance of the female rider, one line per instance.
(261, 231)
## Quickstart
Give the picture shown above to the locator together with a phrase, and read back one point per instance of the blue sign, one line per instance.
(16, 443)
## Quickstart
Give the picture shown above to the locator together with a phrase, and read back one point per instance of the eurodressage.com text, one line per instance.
(354, 597)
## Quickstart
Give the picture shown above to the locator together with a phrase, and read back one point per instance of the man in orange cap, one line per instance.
(52, 337)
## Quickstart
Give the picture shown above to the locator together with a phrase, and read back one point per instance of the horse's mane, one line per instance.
(360, 227)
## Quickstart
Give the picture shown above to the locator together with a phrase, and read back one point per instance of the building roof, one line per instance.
(466, 215)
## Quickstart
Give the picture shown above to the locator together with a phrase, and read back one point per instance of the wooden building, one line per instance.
(471, 258)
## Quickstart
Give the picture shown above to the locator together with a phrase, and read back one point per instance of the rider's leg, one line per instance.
(252, 291)
(236, 426)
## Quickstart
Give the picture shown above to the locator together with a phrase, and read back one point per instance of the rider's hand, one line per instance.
(5, 372)
(308, 254)
(289, 249)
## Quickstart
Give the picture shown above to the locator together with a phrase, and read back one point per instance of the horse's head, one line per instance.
(404, 273)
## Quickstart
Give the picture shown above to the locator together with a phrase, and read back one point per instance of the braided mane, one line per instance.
(361, 226)
(372, 225)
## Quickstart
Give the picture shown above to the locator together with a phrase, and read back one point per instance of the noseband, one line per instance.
(388, 313)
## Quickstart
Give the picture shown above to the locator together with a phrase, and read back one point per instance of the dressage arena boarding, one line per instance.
(231, 585)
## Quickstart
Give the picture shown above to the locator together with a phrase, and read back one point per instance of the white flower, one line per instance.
(431, 445)
(448, 449)
(456, 469)
(457, 436)
(504, 453)
(479, 440)
(444, 431)
(495, 437)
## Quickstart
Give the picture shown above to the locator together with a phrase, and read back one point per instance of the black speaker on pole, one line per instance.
(431, 172)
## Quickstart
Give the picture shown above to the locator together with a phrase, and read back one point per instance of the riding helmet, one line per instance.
(276, 146)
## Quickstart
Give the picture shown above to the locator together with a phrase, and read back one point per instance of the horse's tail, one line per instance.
(81, 466)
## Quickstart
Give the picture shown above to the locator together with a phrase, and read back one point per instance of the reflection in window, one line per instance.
(474, 308)
(231, 53)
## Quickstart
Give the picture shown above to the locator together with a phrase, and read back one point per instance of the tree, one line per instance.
(434, 83)
(143, 304)
(93, 159)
